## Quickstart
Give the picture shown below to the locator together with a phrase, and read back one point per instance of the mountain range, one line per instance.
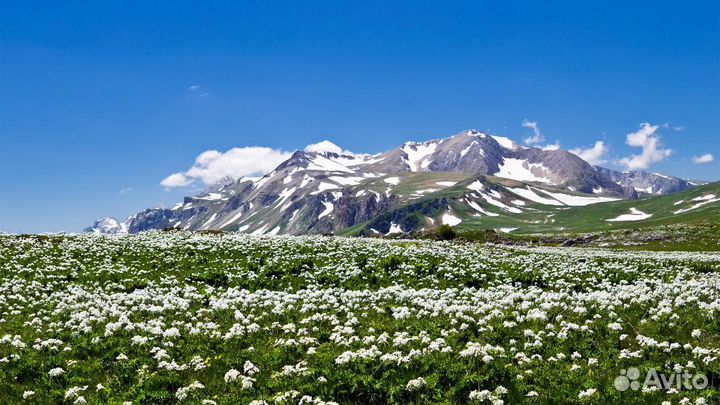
(471, 179)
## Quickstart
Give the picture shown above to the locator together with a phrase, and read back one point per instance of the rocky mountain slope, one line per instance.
(512, 207)
(417, 185)
(646, 184)
(108, 226)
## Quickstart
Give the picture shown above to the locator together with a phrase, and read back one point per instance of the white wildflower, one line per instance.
(588, 392)
(57, 371)
(416, 384)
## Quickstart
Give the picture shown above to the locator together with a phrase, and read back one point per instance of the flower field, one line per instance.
(181, 318)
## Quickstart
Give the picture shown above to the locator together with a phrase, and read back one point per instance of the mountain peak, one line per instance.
(107, 225)
(221, 184)
(474, 132)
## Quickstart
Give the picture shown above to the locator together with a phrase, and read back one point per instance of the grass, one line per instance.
(216, 318)
(542, 219)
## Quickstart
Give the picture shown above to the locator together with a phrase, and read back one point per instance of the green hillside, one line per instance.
(475, 210)
(594, 218)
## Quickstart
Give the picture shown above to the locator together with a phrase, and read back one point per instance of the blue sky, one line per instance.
(97, 104)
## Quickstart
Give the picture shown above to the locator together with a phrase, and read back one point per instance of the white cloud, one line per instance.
(175, 180)
(595, 155)
(211, 166)
(537, 135)
(125, 190)
(647, 139)
(250, 161)
(197, 91)
(552, 146)
(327, 146)
(706, 158)
(674, 128)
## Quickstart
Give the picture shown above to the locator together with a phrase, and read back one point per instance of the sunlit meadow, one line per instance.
(183, 318)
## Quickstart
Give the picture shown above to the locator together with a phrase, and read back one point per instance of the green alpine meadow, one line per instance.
(359, 202)
(181, 317)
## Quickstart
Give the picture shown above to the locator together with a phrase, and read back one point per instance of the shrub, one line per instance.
(446, 232)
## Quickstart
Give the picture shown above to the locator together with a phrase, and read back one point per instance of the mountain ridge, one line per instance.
(327, 192)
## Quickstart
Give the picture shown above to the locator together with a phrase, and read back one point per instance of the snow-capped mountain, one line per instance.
(108, 225)
(220, 184)
(414, 186)
(645, 183)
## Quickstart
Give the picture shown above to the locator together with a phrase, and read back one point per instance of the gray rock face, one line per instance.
(160, 218)
(630, 193)
(467, 152)
(569, 170)
(323, 192)
(221, 184)
(406, 217)
(644, 183)
(352, 211)
(479, 153)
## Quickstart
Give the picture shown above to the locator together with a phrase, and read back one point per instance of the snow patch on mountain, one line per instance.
(418, 154)
(521, 170)
(476, 185)
(529, 194)
(324, 164)
(285, 194)
(323, 186)
(347, 181)
(259, 231)
(210, 196)
(489, 198)
(207, 223)
(307, 179)
(467, 148)
(232, 219)
(634, 215)
(480, 209)
(450, 219)
(329, 207)
(576, 200)
(703, 200)
(394, 228)
(420, 193)
(505, 142)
